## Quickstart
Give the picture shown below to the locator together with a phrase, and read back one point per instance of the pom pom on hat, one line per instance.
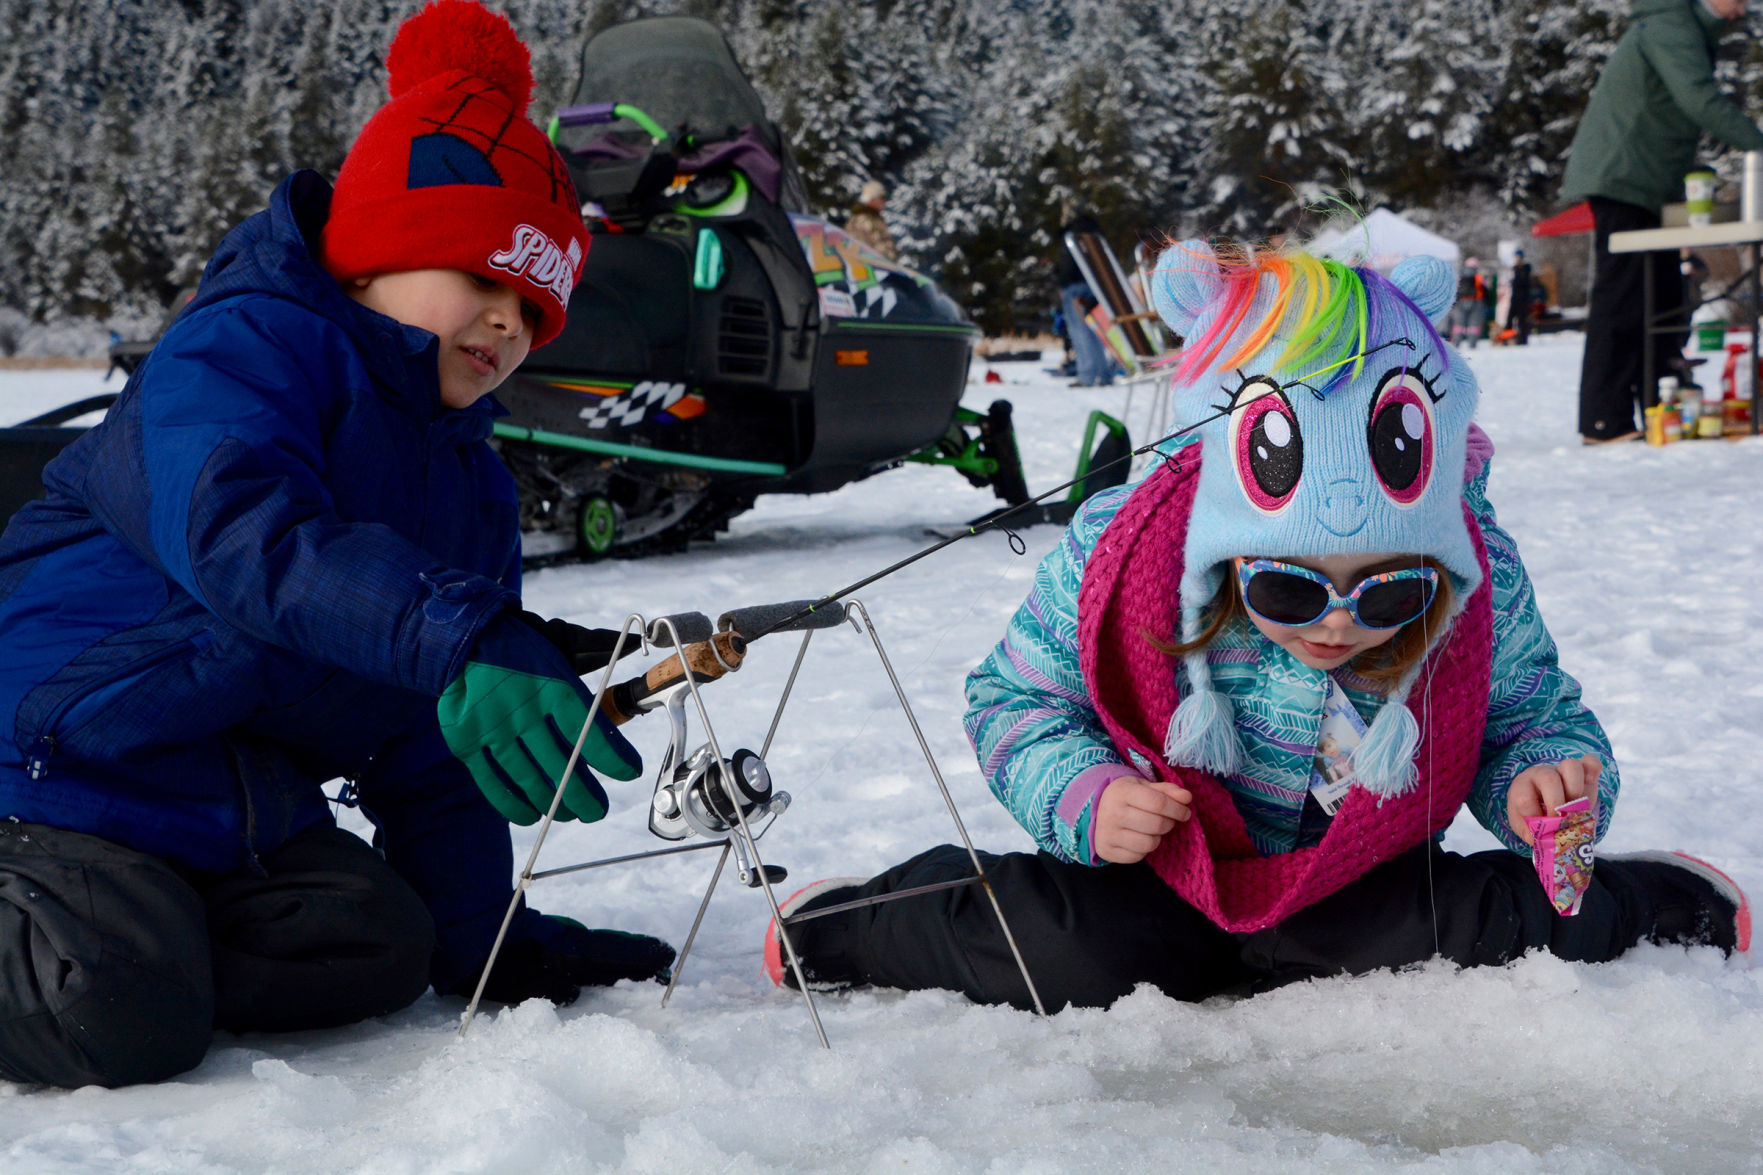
(450, 173)
(464, 36)
(1202, 731)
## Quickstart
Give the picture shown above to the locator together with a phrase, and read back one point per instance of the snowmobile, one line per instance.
(29, 445)
(722, 343)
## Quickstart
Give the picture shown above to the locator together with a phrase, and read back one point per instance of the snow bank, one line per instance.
(1645, 562)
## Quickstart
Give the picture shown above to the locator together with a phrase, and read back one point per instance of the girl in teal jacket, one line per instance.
(1247, 695)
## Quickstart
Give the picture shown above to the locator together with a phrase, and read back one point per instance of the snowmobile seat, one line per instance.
(29, 445)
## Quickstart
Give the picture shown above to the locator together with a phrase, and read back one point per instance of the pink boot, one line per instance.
(1726, 890)
(777, 964)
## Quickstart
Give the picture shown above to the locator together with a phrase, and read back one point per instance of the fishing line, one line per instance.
(995, 522)
(985, 594)
(1409, 343)
(1426, 732)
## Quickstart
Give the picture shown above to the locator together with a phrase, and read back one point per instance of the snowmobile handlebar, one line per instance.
(601, 112)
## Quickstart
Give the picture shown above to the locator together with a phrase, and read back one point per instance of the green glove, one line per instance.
(512, 716)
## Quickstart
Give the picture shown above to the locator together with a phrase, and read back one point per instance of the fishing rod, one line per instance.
(708, 655)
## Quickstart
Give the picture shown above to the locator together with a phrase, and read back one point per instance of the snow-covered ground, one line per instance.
(1649, 567)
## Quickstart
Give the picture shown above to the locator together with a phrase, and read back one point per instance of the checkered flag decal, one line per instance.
(876, 302)
(630, 408)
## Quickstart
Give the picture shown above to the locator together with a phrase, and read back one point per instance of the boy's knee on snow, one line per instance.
(104, 968)
(108, 1017)
(331, 936)
(137, 1026)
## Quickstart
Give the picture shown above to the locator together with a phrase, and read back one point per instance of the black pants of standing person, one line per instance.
(1089, 935)
(116, 967)
(1518, 305)
(1610, 376)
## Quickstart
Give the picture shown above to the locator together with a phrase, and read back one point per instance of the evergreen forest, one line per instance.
(133, 133)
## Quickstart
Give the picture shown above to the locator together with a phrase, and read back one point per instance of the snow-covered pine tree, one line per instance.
(1417, 105)
(1276, 132)
(1553, 52)
(859, 91)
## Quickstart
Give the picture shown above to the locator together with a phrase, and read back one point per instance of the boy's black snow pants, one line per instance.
(116, 967)
(1089, 935)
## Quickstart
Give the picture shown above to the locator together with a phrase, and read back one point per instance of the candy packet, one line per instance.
(1562, 852)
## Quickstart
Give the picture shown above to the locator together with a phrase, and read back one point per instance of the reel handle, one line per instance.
(708, 660)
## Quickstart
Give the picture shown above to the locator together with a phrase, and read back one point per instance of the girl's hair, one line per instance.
(1331, 310)
(1384, 665)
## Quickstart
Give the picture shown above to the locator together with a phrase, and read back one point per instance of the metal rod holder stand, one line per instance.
(742, 841)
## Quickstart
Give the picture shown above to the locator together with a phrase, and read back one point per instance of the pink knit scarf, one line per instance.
(1129, 593)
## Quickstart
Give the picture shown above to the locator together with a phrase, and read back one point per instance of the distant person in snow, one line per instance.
(1469, 314)
(865, 221)
(1318, 575)
(1629, 156)
(1519, 300)
(288, 556)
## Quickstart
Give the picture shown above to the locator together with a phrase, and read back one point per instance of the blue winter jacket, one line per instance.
(257, 575)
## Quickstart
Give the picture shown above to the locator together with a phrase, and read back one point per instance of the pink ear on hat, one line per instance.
(460, 35)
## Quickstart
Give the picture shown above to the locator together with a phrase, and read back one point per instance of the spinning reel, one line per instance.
(697, 792)
(700, 796)
(711, 800)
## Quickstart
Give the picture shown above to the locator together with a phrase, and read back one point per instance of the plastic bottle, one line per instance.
(1655, 424)
(1663, 423)
(1735, 389)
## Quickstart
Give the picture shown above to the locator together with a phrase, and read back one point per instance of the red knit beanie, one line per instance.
(450, 174)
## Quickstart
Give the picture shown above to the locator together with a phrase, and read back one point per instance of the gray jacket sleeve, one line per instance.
(1674, 46)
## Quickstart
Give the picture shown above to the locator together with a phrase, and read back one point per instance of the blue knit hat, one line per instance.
(1341, 423)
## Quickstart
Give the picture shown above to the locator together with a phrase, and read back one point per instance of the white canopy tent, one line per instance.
(1391, 238)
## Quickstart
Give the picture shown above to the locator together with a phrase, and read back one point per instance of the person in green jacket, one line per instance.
(1635, 143)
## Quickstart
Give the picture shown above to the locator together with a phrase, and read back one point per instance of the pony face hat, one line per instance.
(451, 174)
(1340, 421)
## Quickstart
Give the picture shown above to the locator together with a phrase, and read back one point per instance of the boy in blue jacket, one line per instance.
(287, 556)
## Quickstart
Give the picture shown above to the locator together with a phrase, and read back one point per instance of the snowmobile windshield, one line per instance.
(676, 70)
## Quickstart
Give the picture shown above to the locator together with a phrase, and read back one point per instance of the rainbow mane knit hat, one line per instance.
(1333, 421)
(451, 174)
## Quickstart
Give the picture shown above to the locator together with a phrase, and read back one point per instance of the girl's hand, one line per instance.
(1541, 790)
(1133, 816)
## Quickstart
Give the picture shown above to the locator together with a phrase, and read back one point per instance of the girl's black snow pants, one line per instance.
(1089, 935)
(116, 968)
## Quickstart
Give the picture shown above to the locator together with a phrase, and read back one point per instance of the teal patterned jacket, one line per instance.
(1045, 754)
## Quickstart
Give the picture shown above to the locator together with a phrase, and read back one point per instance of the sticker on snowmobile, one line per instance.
(625, 408)
(837, 303)
(876, 301)
(836, 258)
